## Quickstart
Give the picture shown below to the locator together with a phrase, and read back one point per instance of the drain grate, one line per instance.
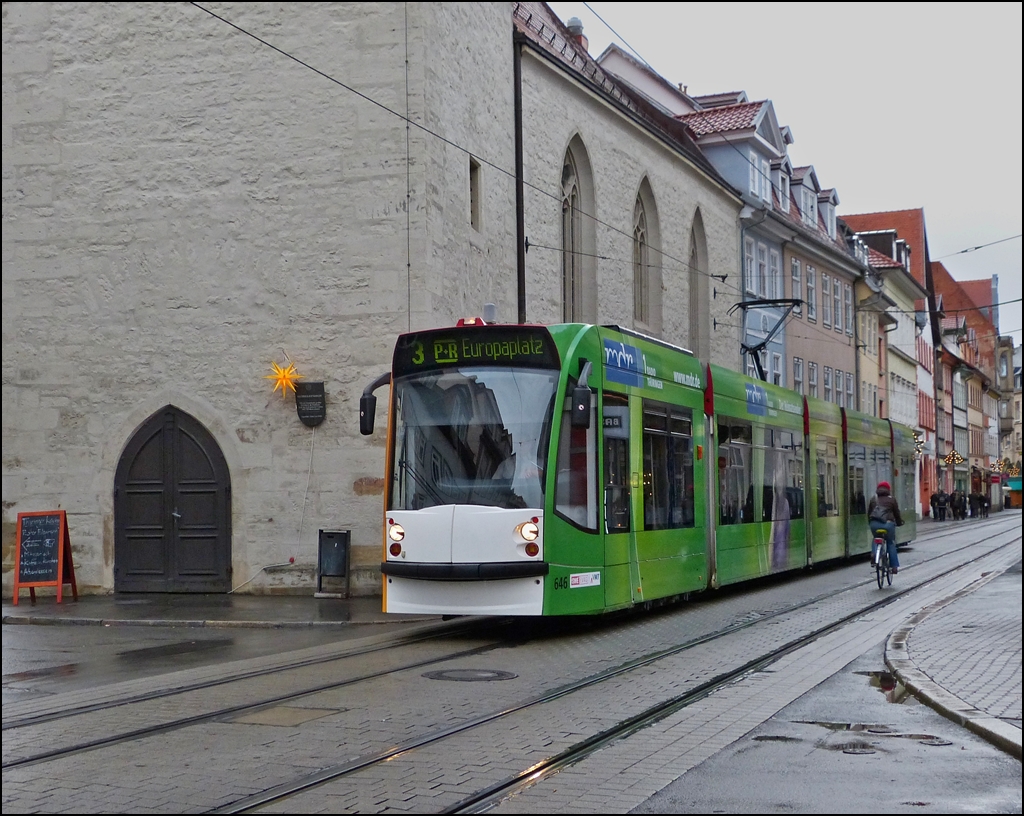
(470, 675)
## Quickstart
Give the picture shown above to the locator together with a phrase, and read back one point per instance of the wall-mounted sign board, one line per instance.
(42, 555)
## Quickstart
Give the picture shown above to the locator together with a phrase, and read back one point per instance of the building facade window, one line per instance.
(798, 375)
(848, 308)
(762, 270)
(796, 286)
(840, 394)
(827, 383)
(809, 210)
(766, 182)
(784, 190)
(755, 185)
(572, 243)
(748, 266)
(778, 375)
(837, 305)
(475, 197)
(775, 289)
(641, 266)
(812, 379)
(812, 295)
(826, 301)
(849, 390)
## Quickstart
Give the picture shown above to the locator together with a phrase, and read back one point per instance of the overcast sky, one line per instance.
(897, 105)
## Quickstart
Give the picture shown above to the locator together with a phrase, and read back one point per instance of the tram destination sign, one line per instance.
(520, 346)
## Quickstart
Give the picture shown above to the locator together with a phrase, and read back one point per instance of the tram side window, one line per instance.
(827, 462)
(735, 472)
(857, 461)
(616, 463)
(576, 476)
(668, 467)
(882, 467)
(783, 475)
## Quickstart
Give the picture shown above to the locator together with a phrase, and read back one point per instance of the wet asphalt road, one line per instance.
(51, 659)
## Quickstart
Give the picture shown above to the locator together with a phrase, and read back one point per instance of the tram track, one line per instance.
(486, 797)
(220, 713)
(443, 630)
(436, 737)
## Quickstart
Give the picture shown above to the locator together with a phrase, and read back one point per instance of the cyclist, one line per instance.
(883, 511)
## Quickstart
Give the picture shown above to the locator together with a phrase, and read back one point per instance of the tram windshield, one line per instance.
(473, 435)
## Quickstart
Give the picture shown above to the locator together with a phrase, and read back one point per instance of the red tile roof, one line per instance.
(909, 225)
(719, 120)
(979, 291)
(879, 260)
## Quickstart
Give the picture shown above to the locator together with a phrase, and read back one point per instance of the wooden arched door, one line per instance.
(172, 509)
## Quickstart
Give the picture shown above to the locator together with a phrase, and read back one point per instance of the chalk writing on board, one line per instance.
(39, 548)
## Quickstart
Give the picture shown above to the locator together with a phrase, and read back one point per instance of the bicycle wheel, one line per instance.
(880, 570)
(888, 570)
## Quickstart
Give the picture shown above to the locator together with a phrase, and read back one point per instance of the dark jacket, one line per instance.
(888, 508)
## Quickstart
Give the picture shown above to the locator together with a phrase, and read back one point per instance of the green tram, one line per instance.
(579, 469)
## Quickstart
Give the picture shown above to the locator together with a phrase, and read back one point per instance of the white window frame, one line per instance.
(762, 269)
(796, 286)
(850, 397)
(776, 290)
(840, 394)
(778, 373)
(755, 185)
(766, 182)
(826, 383)
(831, 222)
(848, 308)
(798, 375)
(748, 260)
(784, 190)
(837, 306)
(812, 294)
(809, 208)
(826, 301)
(812, 379)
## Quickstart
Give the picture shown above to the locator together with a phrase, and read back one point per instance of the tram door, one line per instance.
(620, 536)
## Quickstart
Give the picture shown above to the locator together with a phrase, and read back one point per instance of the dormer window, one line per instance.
(784, 190)
(808, 207)
(766, 182)
(755, 175)
(830, 220)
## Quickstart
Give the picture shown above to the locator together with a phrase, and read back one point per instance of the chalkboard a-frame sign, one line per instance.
(42, 555)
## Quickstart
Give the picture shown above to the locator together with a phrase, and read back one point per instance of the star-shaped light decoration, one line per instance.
(284, 378)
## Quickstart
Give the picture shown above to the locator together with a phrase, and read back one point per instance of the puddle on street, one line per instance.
(34, 674)
(893, 690)
(174, 649)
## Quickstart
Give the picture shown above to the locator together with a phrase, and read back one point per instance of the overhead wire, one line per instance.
(428, 131)
(411, 123)
(980, 246)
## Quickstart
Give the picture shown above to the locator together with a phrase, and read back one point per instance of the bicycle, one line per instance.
(880, 556)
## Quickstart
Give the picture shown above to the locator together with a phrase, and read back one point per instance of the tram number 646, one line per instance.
(562, 582)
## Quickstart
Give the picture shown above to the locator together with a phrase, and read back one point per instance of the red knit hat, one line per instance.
(886, 485)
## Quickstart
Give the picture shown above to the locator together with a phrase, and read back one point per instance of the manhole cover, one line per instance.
(858, 750)
(469, 675)
(936, 741)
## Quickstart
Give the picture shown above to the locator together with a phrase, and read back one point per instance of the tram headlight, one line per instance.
(529, 530)
(396, 532)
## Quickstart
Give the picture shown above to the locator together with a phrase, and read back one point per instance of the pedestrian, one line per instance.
(975, 504)
(934, 502)
(942, 502)
(985, 503)
(884, 511)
